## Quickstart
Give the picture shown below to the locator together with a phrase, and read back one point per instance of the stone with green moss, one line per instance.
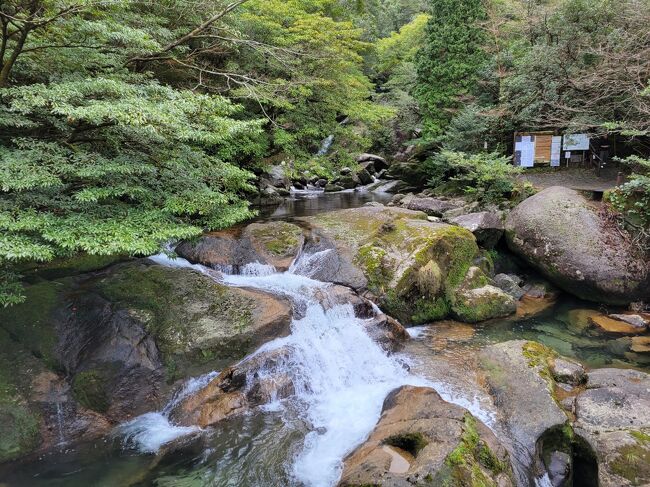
(192, 317)
(33, 324)
(275, 243)
(414, 267)
(89, 389)
(441, 443)
(19, 419)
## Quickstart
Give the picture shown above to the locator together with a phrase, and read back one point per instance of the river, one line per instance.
(340, 375)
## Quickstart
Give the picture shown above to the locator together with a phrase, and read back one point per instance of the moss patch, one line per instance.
(32, 323)
(633, 463)
(412, 443)
(472, 463)
(278, 238)
(89, 389)
(19, 430)
(19, 423)
(175, 305)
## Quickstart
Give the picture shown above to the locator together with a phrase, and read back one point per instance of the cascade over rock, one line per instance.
(104, 346)
(562, 235)
(423, 440)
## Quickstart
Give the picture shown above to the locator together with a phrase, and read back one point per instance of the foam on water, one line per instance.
(340, 375)
(148, 432)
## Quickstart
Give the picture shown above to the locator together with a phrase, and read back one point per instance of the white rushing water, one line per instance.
(148, 432)
(341, 376)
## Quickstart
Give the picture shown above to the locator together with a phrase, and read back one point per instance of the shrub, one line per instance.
(632, 199)
(488, 178)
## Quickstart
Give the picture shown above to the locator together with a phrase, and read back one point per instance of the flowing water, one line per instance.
(340, 375)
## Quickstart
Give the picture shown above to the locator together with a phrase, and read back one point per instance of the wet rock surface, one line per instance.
(518, 376)
(109, 344)
(613, 415)
(421, 439)
(562, 235)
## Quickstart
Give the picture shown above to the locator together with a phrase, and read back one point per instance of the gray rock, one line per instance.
(345, 171)
(277, 176)
(568, 372)
(431, 206)
(510, 283)
(364, 177)
(332, 188)
(378, 161)
(559, 468)
(562, 235)
(486, 226)
(613, 416)
(519, 385)
(634, 320)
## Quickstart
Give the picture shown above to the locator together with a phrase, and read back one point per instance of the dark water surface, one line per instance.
(311, 203)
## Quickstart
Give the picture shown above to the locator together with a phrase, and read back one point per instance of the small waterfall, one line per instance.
(148, 432)
(325, 146)
(340, 375)
(60, 424)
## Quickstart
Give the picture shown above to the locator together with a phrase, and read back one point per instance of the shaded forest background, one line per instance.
(126, 124)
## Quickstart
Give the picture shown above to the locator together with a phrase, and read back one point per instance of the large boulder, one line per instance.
(613, 416)
(413, 267)
(486, 226)
(519, 376)
(275, 243)
(378, 162)
(422, 440)
(562, 234)
(84, 353)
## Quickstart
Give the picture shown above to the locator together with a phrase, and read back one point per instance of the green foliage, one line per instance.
(449, 61)
(101, 159)
(488, 178)
(632, 199)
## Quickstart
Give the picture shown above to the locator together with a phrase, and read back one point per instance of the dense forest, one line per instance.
(127, 124)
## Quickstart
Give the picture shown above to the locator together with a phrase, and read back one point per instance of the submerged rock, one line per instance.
(421, 439)
(614, 326)
(562, 235)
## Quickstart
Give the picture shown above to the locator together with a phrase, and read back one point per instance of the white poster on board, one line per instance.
(556, 151)
(527, 149)
(576, 142)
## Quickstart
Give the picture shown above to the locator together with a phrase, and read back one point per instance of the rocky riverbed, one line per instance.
(420, 343)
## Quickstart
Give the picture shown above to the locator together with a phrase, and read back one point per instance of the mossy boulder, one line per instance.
(412, 266)
(191, 317)
(483, 303)
(437, 443)
(275, 243)
(564, 236)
